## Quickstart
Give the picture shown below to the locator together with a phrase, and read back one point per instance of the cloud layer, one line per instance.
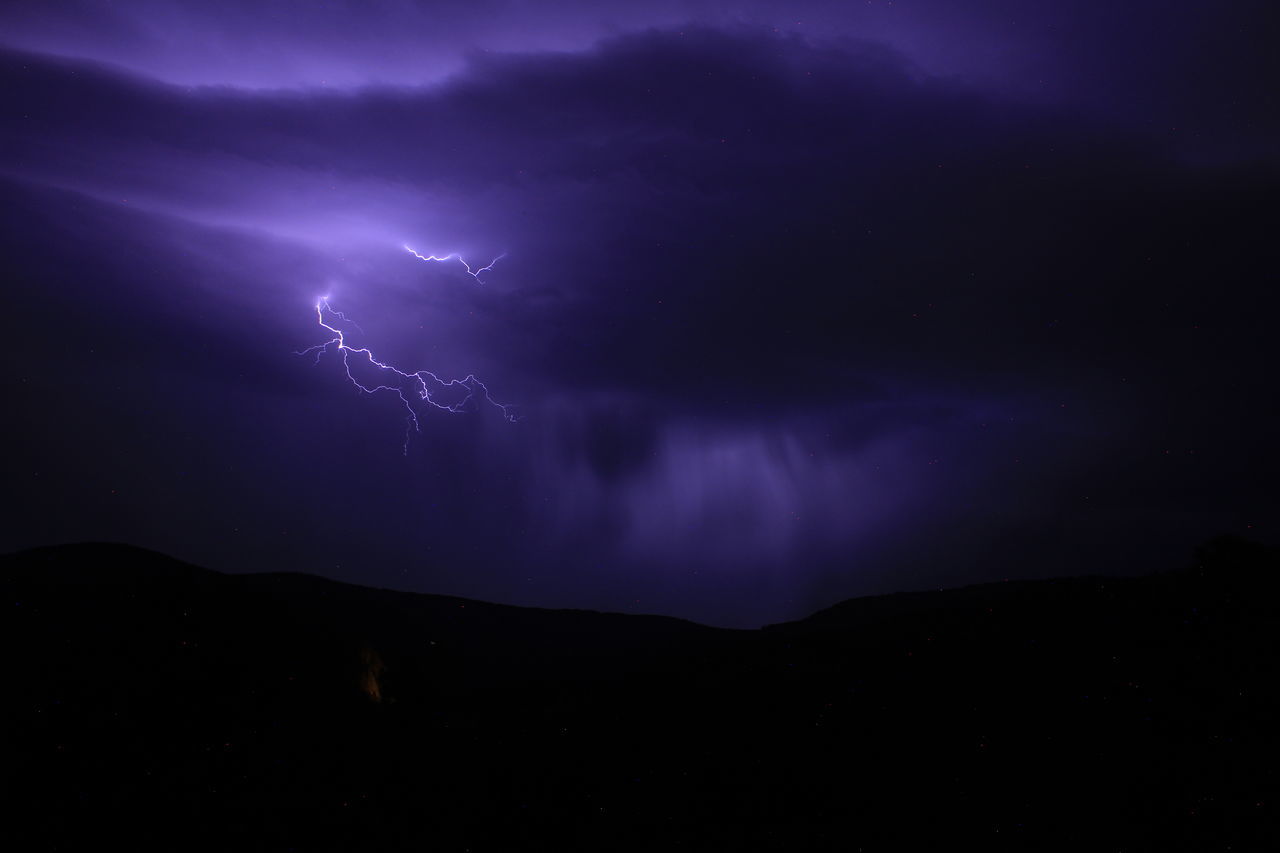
(789, 319)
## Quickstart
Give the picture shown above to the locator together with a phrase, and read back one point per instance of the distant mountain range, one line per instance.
(157, 705)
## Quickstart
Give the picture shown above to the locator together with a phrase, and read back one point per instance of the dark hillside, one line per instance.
(162, 706)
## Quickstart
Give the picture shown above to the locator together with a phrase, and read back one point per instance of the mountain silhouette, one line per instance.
(158, 705)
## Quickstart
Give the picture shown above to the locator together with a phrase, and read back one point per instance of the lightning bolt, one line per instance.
(455, 256)
(422, 384)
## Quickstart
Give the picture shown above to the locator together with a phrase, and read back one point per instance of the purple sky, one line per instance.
(800, 301)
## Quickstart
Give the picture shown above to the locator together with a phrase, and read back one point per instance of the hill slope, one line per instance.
(164, 706)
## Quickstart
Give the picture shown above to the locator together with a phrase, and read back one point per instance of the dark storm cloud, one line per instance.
(783, 315)
(1199, 71)
(776, 215)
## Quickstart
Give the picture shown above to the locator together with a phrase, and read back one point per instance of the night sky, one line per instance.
(799, 301)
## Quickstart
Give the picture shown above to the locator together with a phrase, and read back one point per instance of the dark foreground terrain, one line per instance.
(156, 705)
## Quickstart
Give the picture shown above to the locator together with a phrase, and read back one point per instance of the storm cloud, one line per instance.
(788, 318)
